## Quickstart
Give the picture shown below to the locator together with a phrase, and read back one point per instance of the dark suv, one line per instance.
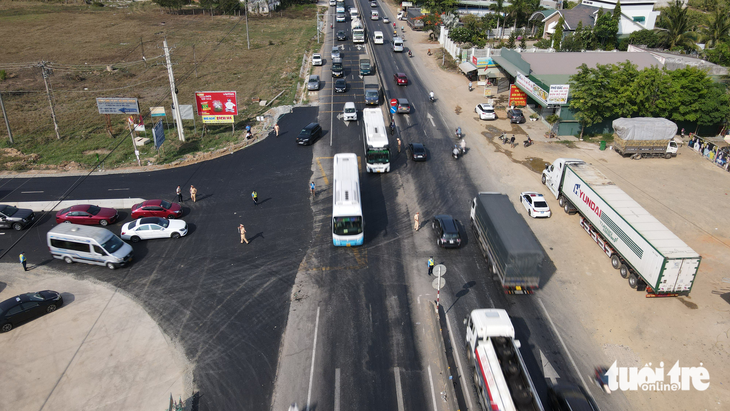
(515, 116)
(447, 231)
(17, 218)
(309, 134)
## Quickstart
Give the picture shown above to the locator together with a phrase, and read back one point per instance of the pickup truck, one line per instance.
(15, 218)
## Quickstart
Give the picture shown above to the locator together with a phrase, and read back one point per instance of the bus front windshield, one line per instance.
(378, 157)
(347, 225)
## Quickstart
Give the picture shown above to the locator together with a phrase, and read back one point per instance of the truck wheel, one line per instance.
(520, 393)
(468, 353)
(562, 201)
(511, 368)
(615, 262)
(624, 270)
(668, 156)
(567, 208)
(543, 179)
(633, 281)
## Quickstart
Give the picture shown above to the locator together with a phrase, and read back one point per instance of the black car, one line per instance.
(337, 69)
(447, 231)
(570, 397)
(309, 134)
(515, 116)
(340, 85)
(17, 218)
(418, 152)
(341, 35)
(25, 307)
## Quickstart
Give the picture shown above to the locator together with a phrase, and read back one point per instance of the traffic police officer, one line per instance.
(430, 265)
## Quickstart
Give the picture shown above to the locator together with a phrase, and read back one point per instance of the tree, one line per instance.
(720, 54)
(432, 24)
(170, 5)
(557, 36)
(522, 37)
(229, 6)
(675, 22)
(715, 106)
(440, 6)
(588, 97)
(605, 30)
(511, 43)
(460, 35)
(652, 91)
(648, 38)
(498, 8)
(718, 28)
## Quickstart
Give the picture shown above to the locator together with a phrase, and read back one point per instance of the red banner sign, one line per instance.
(517, 97)
(216, 103)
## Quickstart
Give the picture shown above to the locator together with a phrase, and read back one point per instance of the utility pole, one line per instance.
(317, 25)
(195, 63)
(47, 72)
(141, 44)
(248, 41)
(5, 116)
(176, 106)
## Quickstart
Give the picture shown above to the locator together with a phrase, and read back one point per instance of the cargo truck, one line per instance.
(372, 90)
(639, 246)
(500, 376)
(358, 30)
(366, 66)
(510, 247)
(644, 137)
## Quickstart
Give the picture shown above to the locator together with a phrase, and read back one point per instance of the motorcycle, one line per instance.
(431, 97)
(601, 379)
(455, 152)
(528, 142)
(503, 137)
(410, 54)
(458, 134)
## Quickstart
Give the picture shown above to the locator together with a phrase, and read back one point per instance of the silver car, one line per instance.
(336, 53)
(313, 83)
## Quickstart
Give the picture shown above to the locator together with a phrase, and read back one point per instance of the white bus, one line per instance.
(377, 149)
(346, 207)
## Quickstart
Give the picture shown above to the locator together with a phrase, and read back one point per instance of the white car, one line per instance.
(401, 15)
(535, 204)
(316, 59)
(485, 112)
(147, 228)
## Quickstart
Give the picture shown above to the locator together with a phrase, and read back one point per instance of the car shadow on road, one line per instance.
(68, 298)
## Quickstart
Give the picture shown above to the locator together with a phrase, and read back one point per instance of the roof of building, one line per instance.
(577, 14)
(567, 63)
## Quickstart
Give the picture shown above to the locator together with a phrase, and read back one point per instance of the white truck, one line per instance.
(500, 375)
(358, 31)
(639, 246)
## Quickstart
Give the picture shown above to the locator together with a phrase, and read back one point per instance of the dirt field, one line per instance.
(98, 52)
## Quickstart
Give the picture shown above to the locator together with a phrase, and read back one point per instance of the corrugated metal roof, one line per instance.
(567, 63)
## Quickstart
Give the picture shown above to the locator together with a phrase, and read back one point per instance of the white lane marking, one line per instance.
(31, 192)
(575, 367)
(462, 371)
(398, 389)
(118, 189)
(430, 118)
(433, 392)
(314, 352)
(337, 389)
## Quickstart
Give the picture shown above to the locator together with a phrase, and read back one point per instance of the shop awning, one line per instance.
(489, 72)
(467, 67)
(506, 65)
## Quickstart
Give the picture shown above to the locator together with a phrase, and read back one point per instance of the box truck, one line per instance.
(644, 137)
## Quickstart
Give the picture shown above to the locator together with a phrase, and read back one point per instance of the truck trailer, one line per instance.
(500, 376)
(644, 137)
(639, 246)
(507, 242)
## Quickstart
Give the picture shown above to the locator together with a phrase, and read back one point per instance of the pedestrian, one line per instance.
(255, 197)
(399, 143)
(416, 221)
(470, 86)
(276, 129)
(23, 261)
(392, 128)
(242, 231)
(512, 141)
(193, 193)
(311, 188)
(682, 131)
(430, 265)
(179, 194)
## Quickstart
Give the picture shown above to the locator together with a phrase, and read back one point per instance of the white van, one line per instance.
(374, 15)
(92, 245)
(350, 112)
(378, 37)
(353, 13)
(333, 2)
(397, 44)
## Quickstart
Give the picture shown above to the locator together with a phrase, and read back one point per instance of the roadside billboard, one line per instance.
(558, 94)
(517, 97)
(216, 106)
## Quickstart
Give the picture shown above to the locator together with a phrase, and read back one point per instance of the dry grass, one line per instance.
(79, 42)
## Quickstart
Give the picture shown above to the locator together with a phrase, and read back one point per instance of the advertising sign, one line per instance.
(517, 97)
(558, 94)
(482, 62)
(217, 119)
(158, 133)
(186, 112)
(216, 103)
(157, 112)
(117, 105)
(532, 88)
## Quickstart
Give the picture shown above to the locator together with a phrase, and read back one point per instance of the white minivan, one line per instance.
(75, 243)
(397, 44)
(378, 37)
(374, 15)
(353, 13)
(350, 112)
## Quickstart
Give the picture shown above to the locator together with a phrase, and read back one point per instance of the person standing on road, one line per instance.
(255, 197)
(179, 194)
(276, 129)
(193, 193)
(392, 128)
(430, 265)
(311, 188)
(399, 143)
(242, 231)
(416, 221)
(23, 261)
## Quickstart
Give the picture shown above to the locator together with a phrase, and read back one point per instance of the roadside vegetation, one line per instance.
(124, 58)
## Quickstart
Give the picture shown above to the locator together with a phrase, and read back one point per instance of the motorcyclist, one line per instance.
(458, 132)
(431, 96)
(463, 146)
(528, 142)
(455, 151)
(410, 54)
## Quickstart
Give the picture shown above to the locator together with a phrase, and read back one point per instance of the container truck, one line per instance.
(510, 247)
(644, 137)
(639, 246)
(500, 376)
(372, 90)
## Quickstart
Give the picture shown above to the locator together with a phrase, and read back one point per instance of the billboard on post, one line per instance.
(216, 106)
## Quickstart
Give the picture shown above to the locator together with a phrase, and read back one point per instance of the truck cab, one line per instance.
(552, 175)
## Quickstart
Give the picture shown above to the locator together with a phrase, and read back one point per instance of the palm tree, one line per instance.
(719, 28)
(498, 8)
(676, 31)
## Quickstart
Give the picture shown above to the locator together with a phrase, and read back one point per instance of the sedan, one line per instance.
(418, 152)
(404, 107)
(373, 4)
(153, 227)
(24, 307)
(447, 231)
(515, 116)
(535, 204)
(313, 83)
(340, 85)
(341, 35)
(317, 59)
(386, 20)
(87, 214)
(401, 79)
(336, 53)
(485, 112)
(156, 208)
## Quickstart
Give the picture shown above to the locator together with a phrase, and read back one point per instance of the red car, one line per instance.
(87, 214)
(401, 79)
(157, 208)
